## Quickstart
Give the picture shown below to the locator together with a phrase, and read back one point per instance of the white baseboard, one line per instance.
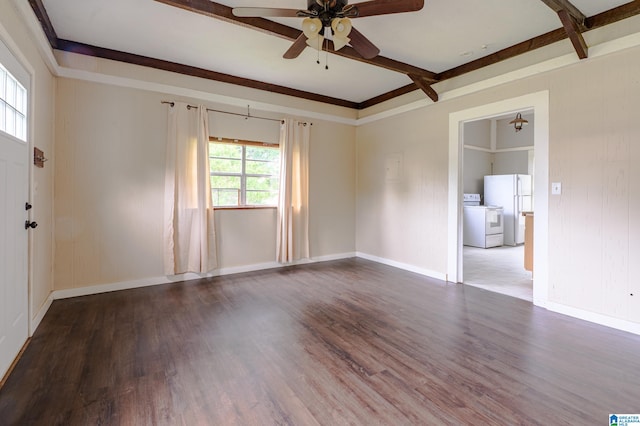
(607, 321)
(405, 266)
(37, 319)
(122, 285)
(145, 282)
(600, 319)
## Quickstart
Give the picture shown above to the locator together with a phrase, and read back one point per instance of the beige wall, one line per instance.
(110, 187)
(41, 136)
(109, 160)
(594, 151)
(402, 188)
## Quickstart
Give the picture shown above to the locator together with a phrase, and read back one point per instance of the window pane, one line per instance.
(258, 186)
(262, 198)
(225, 190)
(262, 153)
(3, 77)
(11, 92)
(262, 168)
(262, 183)
(225, 158)
(3, 126)
(13, 106)
(10, 120)
(227, 182)
(263, 160)
(226, 150)
(223, 197)
(21, 97)
(262, 191)
(21, 127)
(222, 165)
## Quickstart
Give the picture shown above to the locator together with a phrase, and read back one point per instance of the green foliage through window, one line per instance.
(244, 174)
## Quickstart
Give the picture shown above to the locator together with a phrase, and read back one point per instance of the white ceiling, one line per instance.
(441, 36)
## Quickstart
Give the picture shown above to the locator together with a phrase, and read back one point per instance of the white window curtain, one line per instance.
(293, 203)
(189, 234)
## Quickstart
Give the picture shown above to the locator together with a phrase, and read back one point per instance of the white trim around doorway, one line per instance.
(539, 103)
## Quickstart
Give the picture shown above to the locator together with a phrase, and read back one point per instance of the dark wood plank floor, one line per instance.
(345, 342)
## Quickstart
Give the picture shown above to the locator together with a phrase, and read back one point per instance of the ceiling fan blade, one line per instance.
(264, 12)
(296, 48)
(362, 45)
(384, 7)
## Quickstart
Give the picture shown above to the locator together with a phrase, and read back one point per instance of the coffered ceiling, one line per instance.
(445, 39)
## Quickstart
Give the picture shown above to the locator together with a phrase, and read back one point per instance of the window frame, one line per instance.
(242, 202)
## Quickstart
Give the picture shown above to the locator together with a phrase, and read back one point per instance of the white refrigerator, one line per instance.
(514, 194)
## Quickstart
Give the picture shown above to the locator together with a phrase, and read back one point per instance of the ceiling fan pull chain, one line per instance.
(326, 60)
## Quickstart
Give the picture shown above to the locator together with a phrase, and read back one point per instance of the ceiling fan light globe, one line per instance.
(311, 27)
(340, 42)
(316, 42)
(341, 26)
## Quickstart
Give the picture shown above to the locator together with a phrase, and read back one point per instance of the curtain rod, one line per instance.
(247, 115)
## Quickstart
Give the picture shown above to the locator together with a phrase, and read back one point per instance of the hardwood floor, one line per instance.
(344, 342)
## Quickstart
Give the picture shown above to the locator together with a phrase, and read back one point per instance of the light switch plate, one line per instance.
(556, 188)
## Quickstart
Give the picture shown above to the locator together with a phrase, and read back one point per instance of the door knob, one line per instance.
(28, 224)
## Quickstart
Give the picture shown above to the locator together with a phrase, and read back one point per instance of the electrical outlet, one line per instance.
(556, 188)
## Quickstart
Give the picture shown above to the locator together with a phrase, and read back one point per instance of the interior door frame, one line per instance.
(539, 103)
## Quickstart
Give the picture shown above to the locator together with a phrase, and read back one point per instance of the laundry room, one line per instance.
(498, 204)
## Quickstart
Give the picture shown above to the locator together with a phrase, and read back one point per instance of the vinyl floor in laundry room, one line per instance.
(498, 269)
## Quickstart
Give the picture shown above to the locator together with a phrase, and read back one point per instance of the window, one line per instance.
(13, 105)
(243, 173)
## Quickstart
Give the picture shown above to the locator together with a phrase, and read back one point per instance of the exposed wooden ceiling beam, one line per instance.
(574, 34)
(424, 86)
(45, 22)
(411, 87)
(224, 13)
(574, 12)
(597, 21)
(145, 61)
(614, 15)
(574, 23)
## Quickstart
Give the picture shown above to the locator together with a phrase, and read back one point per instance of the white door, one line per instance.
(14, 178)
(14, 325)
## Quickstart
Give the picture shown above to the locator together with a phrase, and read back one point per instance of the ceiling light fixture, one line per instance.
(341, 28)
(311, 28)
(518, 122)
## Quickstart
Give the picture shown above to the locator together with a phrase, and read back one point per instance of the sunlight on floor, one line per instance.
(498, 269)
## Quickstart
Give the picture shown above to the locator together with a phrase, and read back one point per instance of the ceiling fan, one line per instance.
(332, 17)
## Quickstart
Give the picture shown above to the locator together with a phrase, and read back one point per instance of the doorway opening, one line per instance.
(497, 179)
(538, 105)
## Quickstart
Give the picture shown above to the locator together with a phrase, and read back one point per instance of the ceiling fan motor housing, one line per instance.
(326, 10)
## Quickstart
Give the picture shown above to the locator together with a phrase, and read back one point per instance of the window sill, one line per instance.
(244, 207)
